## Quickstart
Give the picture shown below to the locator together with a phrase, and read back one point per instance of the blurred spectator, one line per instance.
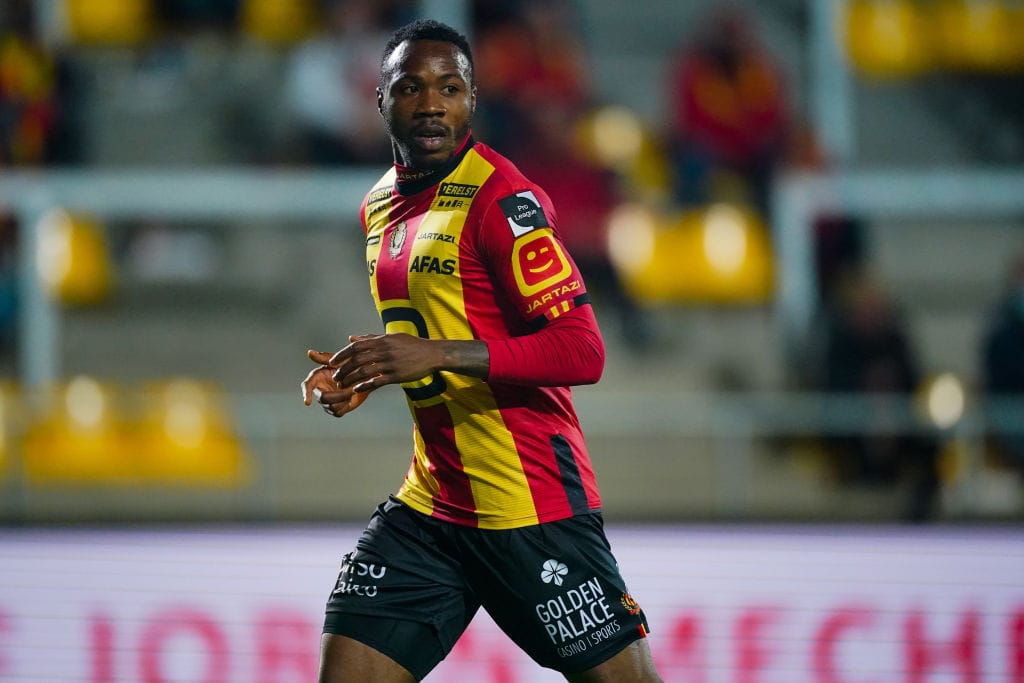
(839, 255)
(868, 353)
(331, 84)
(729, 115)
(527, 54)
(584, 195)
(839, 250)
(35, 130)
(1003, 356)
(533, 90)
(31, 79)
(8, 293)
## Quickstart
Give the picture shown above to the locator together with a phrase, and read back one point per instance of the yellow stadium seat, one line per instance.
(185, 435)
(110, 22)
(887, 38)
(279, 22)
(978, 35)
(74, 259)
(78, 437)
(719, 254)
(1015, 27)
(9, 419)
(616, 138)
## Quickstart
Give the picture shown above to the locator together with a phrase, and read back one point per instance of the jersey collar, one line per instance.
(409, 181)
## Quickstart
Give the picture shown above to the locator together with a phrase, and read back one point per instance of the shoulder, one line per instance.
(507, 181)
(506, 175)
(382, 188)
(377, 199)
(509, 204)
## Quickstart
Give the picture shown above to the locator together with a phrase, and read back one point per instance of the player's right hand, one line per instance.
(321, 386)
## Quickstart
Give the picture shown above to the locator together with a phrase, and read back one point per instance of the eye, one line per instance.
(450, 89)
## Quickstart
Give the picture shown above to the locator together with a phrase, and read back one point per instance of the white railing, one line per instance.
(871, 194)
(187, 194)
(218, 194)
(735, 424)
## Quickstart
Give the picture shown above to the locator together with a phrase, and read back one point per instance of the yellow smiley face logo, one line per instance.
(538, 262)
(542, 259)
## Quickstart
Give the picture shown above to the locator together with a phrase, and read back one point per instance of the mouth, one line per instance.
(430, 138)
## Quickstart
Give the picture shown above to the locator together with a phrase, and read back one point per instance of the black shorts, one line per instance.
(413, 584)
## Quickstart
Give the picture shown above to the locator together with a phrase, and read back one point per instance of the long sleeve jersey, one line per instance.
(471, 251)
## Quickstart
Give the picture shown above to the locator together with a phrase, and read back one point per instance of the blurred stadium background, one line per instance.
(174, 238)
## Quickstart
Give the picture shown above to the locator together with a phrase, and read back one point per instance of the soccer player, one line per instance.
(487, 324)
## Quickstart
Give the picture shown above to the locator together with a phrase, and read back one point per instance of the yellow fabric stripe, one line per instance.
(420, 487)
(489, 457)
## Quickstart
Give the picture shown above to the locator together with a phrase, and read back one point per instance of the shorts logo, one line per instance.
(359, 578)
(631, 605)
(397, 240)
(538, 262)
(553, 571)
(523, 212)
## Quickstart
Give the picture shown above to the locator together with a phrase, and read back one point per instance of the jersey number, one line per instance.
(399, 319)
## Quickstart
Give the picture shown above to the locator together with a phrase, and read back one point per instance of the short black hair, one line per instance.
(426, 29)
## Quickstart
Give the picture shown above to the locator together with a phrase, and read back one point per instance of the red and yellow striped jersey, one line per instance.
(475, 255)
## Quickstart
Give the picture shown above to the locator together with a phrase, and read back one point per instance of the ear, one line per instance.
(380, 101)
(472, 100)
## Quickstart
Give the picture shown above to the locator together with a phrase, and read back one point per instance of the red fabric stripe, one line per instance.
(454, 500)
(534, 446)
(393, 271)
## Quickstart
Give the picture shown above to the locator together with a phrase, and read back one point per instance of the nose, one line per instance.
(430, 103)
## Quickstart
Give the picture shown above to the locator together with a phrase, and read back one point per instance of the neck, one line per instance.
(411, 180)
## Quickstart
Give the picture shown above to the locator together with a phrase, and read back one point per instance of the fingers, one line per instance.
(364, 374)
(367, 386)
(352, 348)
(342, 355)
(318, 385)
(331, 384)
(330, 398)
(356, 362)
(312, 390)
(339, 403)
(308, 386)
(318, 357)
(334, 399)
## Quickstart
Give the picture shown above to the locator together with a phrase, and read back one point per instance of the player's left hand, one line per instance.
(321, 386)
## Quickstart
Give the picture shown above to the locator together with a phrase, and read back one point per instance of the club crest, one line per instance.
(397, 240)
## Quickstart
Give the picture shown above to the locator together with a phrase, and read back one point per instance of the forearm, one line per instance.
(567, 352)
(470, 358)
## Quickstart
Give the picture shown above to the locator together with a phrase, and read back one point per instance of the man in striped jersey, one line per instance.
(487, 323)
